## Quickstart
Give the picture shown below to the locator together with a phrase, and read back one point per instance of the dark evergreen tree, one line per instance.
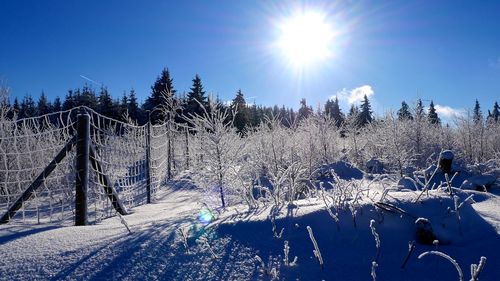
(16, 107)
(161, 90)
(254, 115)
(433, 116)
(365, 115)
(477, 114)
(353, 111)
(495, 114)
(241, 119)
(43, 106)
(106, 105)
(133, 106)
(87, 98)
(404, 112)
(57, 106)
(28, 107)
(304, 110)
(69, 100)
(196, 97)
(419, 110)
(332, 109)
(123, 108)
(353, 116)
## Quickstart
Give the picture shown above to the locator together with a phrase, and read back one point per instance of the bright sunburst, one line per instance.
(305, 38)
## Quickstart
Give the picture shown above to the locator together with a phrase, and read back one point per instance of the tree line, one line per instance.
(127, 108)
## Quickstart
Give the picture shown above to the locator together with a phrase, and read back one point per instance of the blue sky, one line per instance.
(448, 51)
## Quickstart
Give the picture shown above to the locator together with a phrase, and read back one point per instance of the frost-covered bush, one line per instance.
(220, 152)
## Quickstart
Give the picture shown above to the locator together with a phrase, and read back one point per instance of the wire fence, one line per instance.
(135, 159)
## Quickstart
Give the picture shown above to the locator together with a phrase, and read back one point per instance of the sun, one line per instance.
(305, 38)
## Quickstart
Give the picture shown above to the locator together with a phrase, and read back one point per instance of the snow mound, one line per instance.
(343, 170)
(348, 247)
(480, 182)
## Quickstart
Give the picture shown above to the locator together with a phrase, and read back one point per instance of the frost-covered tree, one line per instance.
(390, 143)
(220, 150)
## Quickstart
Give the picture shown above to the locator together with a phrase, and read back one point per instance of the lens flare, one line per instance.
(205, 216)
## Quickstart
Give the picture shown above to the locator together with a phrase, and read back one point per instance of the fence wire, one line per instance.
(27, 146)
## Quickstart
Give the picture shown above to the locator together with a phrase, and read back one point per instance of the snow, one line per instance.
(222, 245)
(479, 182)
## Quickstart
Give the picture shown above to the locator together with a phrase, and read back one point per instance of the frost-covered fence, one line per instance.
(26, 147)
(38, 166)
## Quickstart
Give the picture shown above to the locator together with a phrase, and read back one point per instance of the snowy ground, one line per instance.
(155, 249)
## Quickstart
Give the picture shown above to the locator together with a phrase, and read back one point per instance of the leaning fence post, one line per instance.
(82, 168)
(148, 162)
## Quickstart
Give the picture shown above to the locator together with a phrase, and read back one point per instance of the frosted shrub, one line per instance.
(445, 256)
(475, 269)
(286, 251)
(316, 251)
(374, 270)
(275, 233)
(204, 241)
(221, 149)
(268, 270)
(376, 237)
(392, 143)
(183, 232)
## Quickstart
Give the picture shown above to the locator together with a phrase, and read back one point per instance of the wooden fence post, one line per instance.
(148, 162)
(82, 168)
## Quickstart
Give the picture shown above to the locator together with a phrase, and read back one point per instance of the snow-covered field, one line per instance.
(223, 245)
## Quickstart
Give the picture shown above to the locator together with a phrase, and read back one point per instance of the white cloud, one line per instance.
(447, 111)
(355, 95)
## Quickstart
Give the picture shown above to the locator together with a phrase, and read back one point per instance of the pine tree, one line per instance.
(28, 107)
(133, 106)
(419, 110)
(43, 106)
(404, 112)
(69, 101)
(161, 90)
(16, 106)
(87, 98)
(106, 106)
(57, 106)
(196, 97)
(433, 116)
(478, 115)
(241, 119)
(304, 110)
(332, 109)
(495, 114)
(365, 116)
(353, 115)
